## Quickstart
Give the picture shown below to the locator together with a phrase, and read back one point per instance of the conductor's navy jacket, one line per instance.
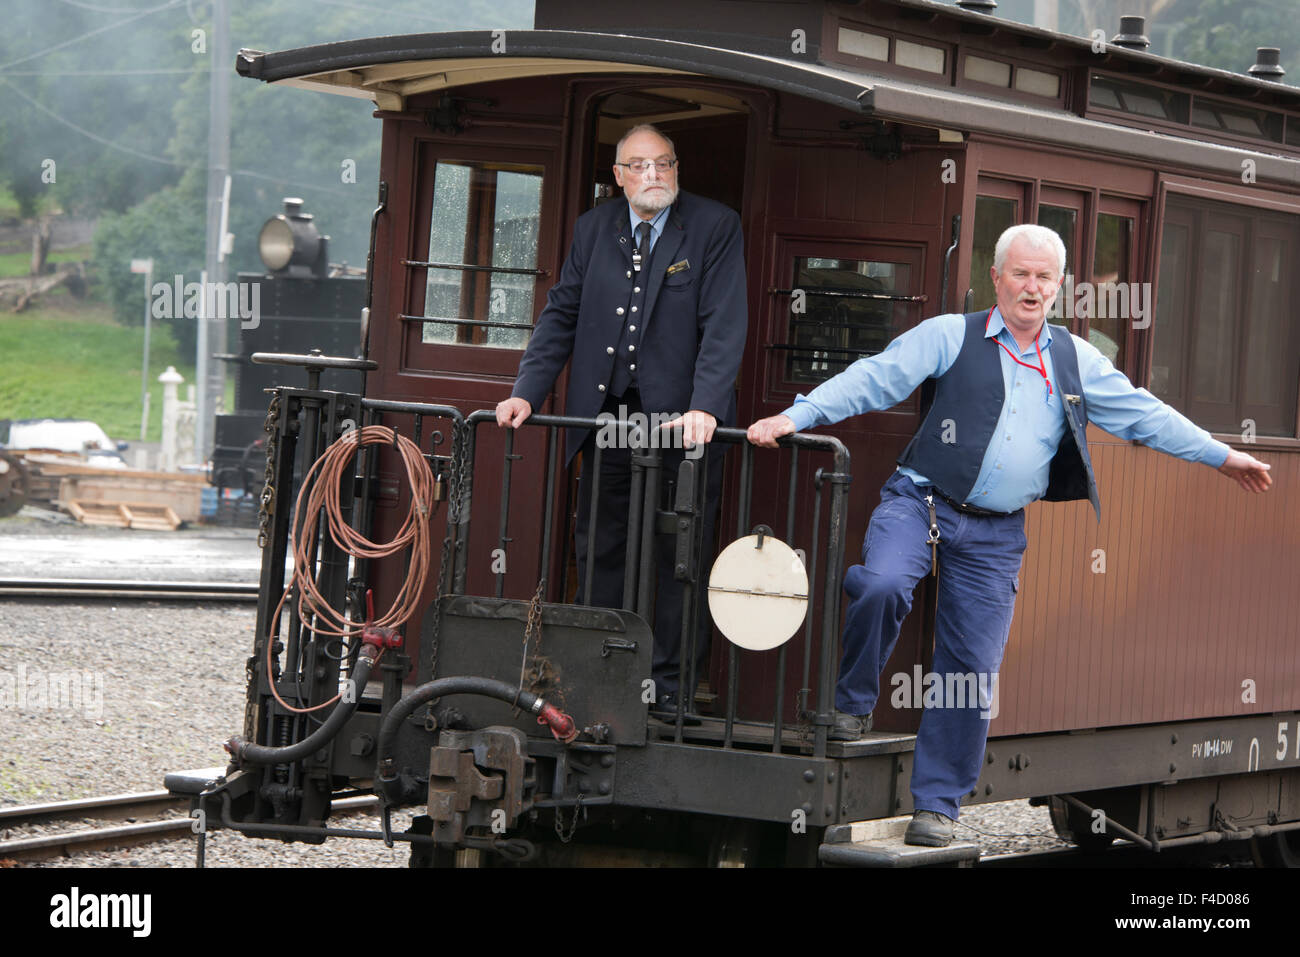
(692, 325)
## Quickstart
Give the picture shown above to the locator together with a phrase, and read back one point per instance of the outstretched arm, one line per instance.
(1122, 409)
(874, 383)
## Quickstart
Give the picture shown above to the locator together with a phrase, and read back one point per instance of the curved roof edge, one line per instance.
(370, 67)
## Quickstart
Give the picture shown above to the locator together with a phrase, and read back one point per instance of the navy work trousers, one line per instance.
(979, 567)
(613, 507)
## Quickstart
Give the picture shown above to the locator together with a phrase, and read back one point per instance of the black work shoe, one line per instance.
(665, 709)
(929, 829)
(848, 727)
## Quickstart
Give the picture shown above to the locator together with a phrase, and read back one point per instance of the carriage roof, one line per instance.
(390, 70)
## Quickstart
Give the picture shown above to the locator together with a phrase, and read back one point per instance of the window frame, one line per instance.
(1247, 200)
(1132, 351)
(777, 387)
(462, 359)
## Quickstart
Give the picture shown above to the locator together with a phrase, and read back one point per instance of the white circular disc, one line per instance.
(758, 596)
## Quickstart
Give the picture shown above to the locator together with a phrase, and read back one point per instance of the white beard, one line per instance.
(646, 201)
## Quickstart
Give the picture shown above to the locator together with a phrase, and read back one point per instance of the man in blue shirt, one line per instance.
(1012, 401)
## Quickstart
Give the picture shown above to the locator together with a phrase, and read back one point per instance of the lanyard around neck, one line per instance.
(1041, 368)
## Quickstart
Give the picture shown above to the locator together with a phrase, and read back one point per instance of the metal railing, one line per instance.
(452, 444)
(650, 516)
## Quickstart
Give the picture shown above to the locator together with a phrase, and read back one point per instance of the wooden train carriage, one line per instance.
(874, 152)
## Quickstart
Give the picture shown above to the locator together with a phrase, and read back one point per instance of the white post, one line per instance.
(186, 430)
(170, 412)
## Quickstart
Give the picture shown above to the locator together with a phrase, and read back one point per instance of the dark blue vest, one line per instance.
(972, 393)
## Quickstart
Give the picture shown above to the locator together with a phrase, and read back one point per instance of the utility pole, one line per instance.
(212, 330)
(145, 266)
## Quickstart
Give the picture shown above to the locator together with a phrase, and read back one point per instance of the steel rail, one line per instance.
(122, 590)
(114, 808)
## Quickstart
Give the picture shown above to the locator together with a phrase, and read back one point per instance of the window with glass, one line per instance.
(994, 214)
(1225, 342)
(1064, 221)
(843, 310)
(481, 274)
(1117, 298)
(1140, 99)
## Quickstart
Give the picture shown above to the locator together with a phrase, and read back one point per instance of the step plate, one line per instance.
(880, 844)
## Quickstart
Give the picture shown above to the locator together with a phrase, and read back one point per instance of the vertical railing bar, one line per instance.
(742, 529)
(691, 608)
(806, 689)
(406, 562)
(570, 524)
(830, 607)
(733, 692)
(746, 479)
(310, 452)
(635, 516)
(365, 521)
(548, 513)
(593, 517)
(503, 539)
(649, 511)
(778, 722)
(460, 531)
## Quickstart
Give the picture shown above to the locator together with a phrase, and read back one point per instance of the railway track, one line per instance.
(118, 825)
(125, 808)
(123, 590)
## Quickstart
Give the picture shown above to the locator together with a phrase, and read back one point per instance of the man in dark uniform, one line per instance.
(1013, 398)
(651, 307)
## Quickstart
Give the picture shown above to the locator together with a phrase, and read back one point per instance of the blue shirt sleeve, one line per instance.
(880, 381)
(1120, 408)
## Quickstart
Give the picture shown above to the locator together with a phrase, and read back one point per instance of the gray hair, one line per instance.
(643, 128)
(1035, 237)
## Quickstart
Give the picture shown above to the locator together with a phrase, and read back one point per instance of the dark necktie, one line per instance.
(643, 243)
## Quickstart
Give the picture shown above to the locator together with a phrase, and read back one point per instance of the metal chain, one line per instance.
(573, 825)
(266, 507)
(533, 633)
(459, 440)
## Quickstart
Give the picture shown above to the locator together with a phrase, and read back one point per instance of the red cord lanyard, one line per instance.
(1041, 368)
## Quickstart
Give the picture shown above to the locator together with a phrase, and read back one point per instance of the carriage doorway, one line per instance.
(709, 130)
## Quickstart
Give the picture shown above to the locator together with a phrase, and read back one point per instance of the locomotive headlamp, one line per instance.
(290, 241)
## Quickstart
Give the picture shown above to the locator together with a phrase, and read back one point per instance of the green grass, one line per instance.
(8, 205)
(15, 265)
(68, 359)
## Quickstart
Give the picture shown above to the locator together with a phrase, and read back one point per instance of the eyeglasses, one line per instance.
(639, 166)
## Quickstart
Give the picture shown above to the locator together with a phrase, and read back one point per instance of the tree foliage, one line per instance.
(1225, 33)
(117, 95)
